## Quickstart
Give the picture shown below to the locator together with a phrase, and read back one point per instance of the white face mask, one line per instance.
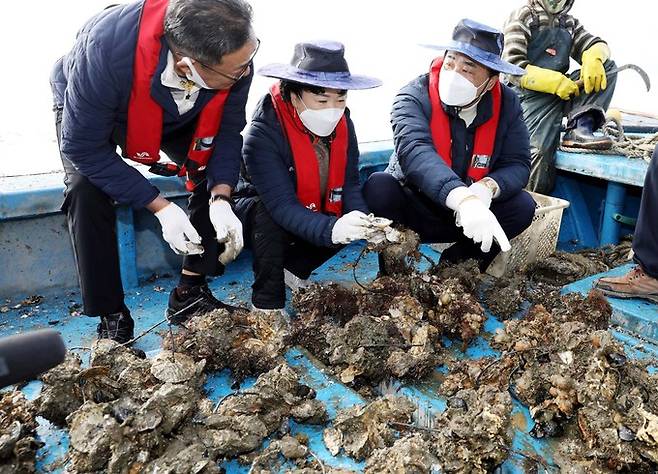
(193, 75)
(456, 90)
(321, 122)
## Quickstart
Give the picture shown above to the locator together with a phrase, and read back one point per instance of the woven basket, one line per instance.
(537, 241)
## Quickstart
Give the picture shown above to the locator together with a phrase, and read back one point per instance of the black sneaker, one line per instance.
(195, 300)
(116, 326)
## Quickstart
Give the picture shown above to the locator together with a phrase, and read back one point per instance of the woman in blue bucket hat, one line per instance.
(462, 155)
(300, 196)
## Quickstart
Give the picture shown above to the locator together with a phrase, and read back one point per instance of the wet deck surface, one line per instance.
(148, 304)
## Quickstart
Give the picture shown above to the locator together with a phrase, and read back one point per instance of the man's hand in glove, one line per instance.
(480, 224)
(178, 231)
(485, 189)
(228, 228)
(477, 221)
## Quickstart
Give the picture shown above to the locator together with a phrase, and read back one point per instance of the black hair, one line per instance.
(289, 87)
(206, 30)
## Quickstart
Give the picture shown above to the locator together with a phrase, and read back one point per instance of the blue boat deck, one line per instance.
(149, 301)
(35, 254)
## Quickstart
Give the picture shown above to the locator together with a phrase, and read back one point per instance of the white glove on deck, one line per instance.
(228, 228)
(178, 231)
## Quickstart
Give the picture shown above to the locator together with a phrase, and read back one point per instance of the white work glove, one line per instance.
(228, 228)
(350, 227)
(480, 225)
(178, 231)
(482, 192)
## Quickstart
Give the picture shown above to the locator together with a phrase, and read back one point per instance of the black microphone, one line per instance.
(24, 356)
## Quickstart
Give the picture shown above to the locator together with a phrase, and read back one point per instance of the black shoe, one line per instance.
(195, 300)
(116, 326)
(581, 125)
(580, 138)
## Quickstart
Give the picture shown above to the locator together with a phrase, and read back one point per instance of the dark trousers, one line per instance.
(645, 239)
(275, 249)
(92, 225)
(387, 197)
(543, 115)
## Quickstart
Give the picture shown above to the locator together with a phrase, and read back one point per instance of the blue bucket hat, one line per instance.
(321, 64)
(482, 44)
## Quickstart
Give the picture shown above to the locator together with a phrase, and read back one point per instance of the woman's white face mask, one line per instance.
(457, 91)
(322, 121)
(193, 74)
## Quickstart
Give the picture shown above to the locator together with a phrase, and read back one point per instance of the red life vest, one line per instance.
(485, 135)
(306, 162)
(144, 132)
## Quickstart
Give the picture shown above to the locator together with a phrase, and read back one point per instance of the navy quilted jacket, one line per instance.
(270, 168)
(417, 162)
(92, 83)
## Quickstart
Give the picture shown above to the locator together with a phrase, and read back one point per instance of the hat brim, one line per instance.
(490, 60)
(329, 80)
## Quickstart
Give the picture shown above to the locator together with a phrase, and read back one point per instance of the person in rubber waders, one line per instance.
(541, 37)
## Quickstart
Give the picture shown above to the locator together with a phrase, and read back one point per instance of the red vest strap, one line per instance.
(485, 135)
(144, 132)
(306, 163)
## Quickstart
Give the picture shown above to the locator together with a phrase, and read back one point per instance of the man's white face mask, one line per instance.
(554, 6)
(322, 121)
(457, 91)
(193, 74)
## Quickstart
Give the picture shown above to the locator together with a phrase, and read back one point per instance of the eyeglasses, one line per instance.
(242, 72)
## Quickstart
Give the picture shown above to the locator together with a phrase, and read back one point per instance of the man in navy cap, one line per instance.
(462, 154)
(300, 198)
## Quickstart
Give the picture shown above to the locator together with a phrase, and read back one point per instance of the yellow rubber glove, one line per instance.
(549, 81)
(592, 72)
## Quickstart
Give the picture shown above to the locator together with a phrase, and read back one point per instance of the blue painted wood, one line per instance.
(616, 168)
(42, 194)
(614, 204)
(577, 229)
(617, 171)
(126, 242)
(374, 157)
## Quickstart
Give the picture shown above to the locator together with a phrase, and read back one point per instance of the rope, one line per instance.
(632, 146)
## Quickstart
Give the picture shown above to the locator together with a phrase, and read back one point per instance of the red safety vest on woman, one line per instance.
(306, 162)
(145, 114)
(485, 135)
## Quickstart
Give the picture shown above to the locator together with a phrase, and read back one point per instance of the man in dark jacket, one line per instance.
(169, 75)
(302, 197)
(461, 156)
(542, 38)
